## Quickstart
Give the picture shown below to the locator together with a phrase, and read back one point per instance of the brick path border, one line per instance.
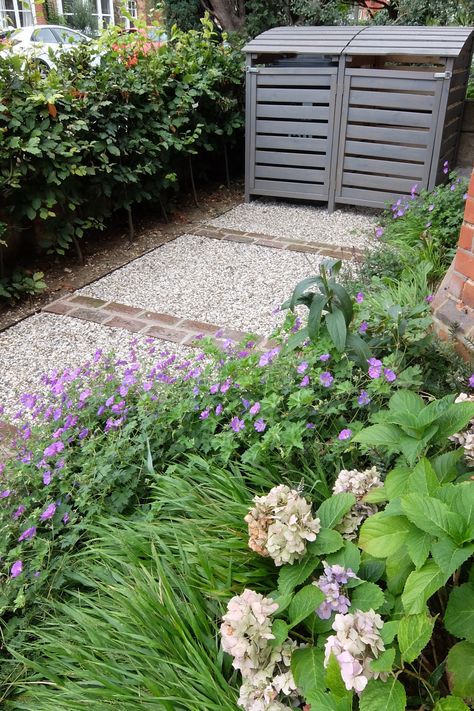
(262, 240)
(186, 332)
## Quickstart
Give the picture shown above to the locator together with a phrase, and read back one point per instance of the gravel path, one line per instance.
(348, 227)
(224, 283)
(46, 342)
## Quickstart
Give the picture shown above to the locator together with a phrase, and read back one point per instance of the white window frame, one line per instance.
(99, 14)
(19, 8)
(132, 8)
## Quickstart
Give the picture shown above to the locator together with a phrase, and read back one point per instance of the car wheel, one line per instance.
(43, 68)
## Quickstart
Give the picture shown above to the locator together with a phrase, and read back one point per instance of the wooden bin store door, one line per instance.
(388, 130)
(290, 117)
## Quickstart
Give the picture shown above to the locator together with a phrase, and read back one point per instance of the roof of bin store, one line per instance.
(355, 40)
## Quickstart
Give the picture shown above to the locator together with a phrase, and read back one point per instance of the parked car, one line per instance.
(40, 42)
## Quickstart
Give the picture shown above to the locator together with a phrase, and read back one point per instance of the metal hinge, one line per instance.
(251, 70)
(442, 75)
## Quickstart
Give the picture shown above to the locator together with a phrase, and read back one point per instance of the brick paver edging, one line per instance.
(158, 325)
(321, 248)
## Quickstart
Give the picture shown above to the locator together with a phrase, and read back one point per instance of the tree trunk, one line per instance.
(229, 14)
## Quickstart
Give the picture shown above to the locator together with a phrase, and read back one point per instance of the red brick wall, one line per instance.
(454, 300)
(40, 14)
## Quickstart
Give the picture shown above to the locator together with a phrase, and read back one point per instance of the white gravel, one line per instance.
(46, 342)
(224, 283)
(352, 227)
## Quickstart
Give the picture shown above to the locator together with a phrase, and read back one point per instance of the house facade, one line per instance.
(19, 13)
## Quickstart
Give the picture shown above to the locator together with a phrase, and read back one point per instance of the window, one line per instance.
(66, 36)
(133, 12)
(102, 10)
(44, 35)
(16, 13)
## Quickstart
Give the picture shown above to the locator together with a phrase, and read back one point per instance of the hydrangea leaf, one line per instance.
(398, 567)
(291, 576)
(460, 666)
(304, 603)
(332, 511)
(449, 556)
(383, 696)
(334, 679)
(308, 671)
(423, 479)
(327, 541)
(385, 661)
(455, 419)
(348, 557)
(451, 703)
(367, 596)
(406, 401)
(418, 545)
(371, 569)
(414, 633)
(459, 616)
(384, 435)
(280, 631)
(389, 631)
(421, 585)
(325, 702)
(397, 481)
(381, 536)
(433, 516)
(445, 465)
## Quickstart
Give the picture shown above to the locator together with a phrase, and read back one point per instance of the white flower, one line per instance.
(356, 643)
(465, 439)
(357, 483)
(269, 689)
(280, 524)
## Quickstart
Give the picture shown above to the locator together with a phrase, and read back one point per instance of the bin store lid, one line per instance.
(355, 40)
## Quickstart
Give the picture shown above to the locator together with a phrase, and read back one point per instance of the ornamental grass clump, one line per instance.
(280, 525)
(356, 643)
(357, 483)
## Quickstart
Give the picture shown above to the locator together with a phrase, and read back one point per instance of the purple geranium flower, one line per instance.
(302, 367)
(471, 381)
(255, 409)
(305, 382)
(29, 533)
(363, 398)
(16, 569)
(429, 298)
(310, 426)
(53, 449)
(446, 167)
(326, 379)
(237, 424)
(379, 232)
(20, 510)
(260, 425)
(359, 297)
(345, 434)
(375, 368)
(389, 375)
(47, 478)
(324, 357)
(204, 414)
(48, 512)
(65, 518)
(363, 327)
(218, 409)
(5, 494)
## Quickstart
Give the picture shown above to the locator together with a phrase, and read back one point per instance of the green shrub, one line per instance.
(89, 140)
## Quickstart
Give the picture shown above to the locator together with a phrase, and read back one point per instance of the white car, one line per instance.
(40, 42)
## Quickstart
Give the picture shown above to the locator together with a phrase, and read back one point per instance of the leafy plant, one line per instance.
(330, 308)
(21, 283)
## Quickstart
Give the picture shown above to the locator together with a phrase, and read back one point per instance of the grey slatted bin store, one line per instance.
(353, 115)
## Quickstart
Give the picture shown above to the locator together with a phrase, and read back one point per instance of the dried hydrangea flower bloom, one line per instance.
(465, 439)
(280, 525)
(356, 643)
(272, 688)
(246, 629)
(357, 483)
